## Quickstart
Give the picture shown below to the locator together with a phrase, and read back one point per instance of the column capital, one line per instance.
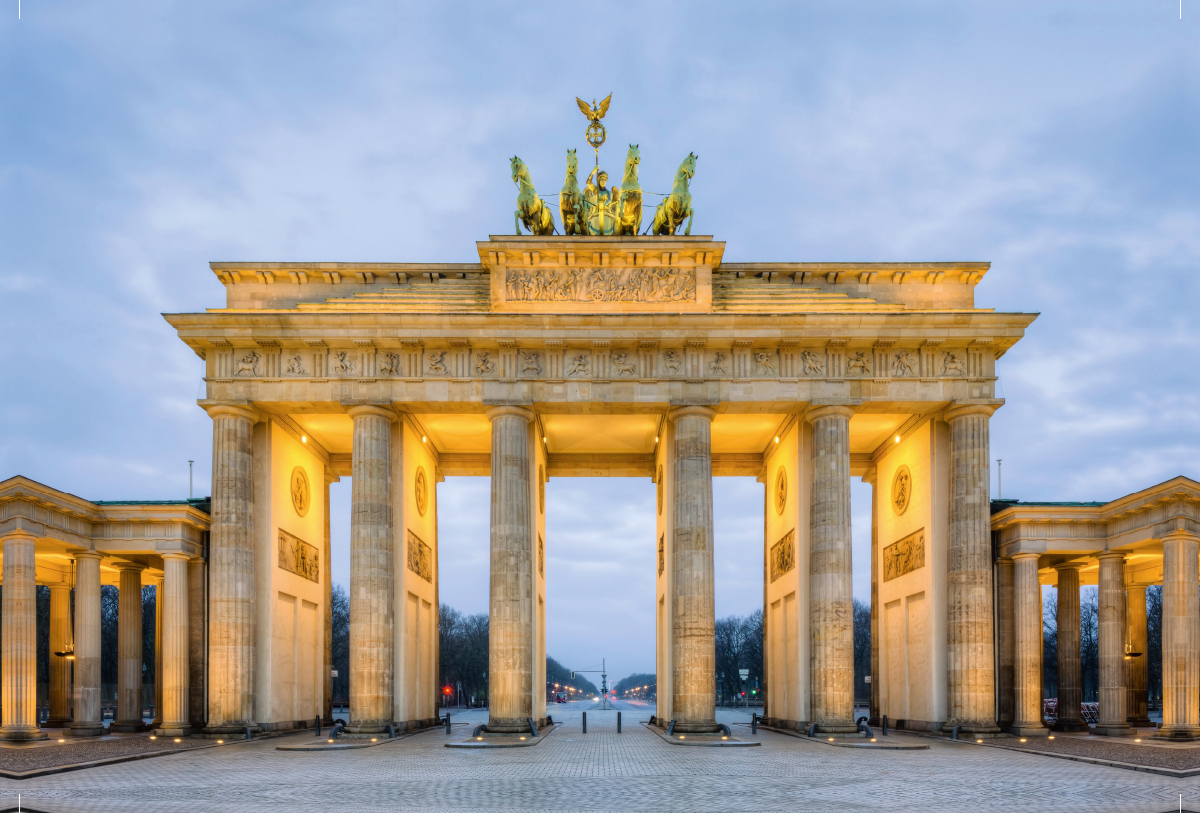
(1070, 566)
(238, 409)
(1026, 555)
(829, 410)
(87, 554)
(174, 554)
(1111, 554)
(698, 410)
(963, 409)
(501, 410)
(123, 565)
(362, 410)
(18, 535)
(1181, 534)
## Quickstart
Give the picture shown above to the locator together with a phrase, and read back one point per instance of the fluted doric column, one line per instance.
(1070, 668)
(872, 478)
(1180, 637)
(1027, 674)
(159, 603)
(371, 575)
(327, 590)
(831, 609)
(1111, 647)
(231, 602)
(129, 650)
(175, 676)
(1137, 669)
(1006, 644)
(197, 601)
(60, 667)
(87, 647)
(693, 628)
(18, 641)
(970, 665)
(510, 638)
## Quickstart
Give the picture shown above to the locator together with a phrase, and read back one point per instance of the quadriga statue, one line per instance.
(669, 214)
(531, 210)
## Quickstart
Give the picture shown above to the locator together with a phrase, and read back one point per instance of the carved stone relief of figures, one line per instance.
(530, 365)
(420, 557)
(904, 556)
(672, 361)
(720, 365)
(813, 364)
(624, 365)
(299, 557)
(783, 555)
(437, 363)
(248, 364)
(952, 364)
(295, 366)
(342, 363)
(391, 364)
(483, 365)
(600, 285)
(905, 363)
(579, 365)
(662, 554)
(762, 363)
(859, 363)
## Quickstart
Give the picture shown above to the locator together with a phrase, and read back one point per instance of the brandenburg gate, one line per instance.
(601, 355)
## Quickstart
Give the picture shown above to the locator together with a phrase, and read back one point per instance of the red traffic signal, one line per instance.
(446, 690)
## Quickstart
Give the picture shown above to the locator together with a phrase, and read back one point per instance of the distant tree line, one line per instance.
(637, 680)
(739, 645)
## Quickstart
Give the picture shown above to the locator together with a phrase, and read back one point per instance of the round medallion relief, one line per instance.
(541, 489)
(301, 493)
(780, 490)
(421, 491)
(901, 489)
(660, 489)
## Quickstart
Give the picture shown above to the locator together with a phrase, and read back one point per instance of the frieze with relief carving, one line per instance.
(420, 557)
(904, 556)
(299, 557)
(783, 555)
(600, 285)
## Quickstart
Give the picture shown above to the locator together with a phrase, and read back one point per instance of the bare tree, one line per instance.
(1050, 645)
(340, 610)
(862, 651)
(1089, 638)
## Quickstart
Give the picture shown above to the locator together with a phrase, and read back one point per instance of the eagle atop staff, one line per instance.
(594, 113)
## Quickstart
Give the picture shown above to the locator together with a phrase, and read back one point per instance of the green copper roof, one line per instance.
(200, 503)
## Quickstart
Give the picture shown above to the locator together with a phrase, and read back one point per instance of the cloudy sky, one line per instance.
(140, 140)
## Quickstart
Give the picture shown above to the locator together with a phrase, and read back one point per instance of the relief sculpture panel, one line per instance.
(783, 555)
(600, 285)
(904, 556)
(299, 557)
(420, 557)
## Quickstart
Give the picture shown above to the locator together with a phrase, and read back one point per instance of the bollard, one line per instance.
(447, 722)
(884, 722)
(753, 723)
(585, 722)
(671, 728)
(532, 726)
(317, 725)
(618, 722)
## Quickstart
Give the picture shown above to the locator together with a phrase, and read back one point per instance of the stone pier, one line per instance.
(87, 647)
(18, 641)
(831, 612)
(693, 616)
(970, 664)
(1112, 647)
(129, 650)
(1027, 672)
(1180, 637)
(175, 677)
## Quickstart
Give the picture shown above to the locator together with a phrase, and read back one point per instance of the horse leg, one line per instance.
(691, 213)
(517, 220)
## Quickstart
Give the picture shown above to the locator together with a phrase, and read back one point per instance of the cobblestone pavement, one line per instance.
(601, 770)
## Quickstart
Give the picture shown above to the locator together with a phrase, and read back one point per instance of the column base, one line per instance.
(174, 731)
(128, 727)
(838, 730)
(1182, 733)
(690, 728)
(85, 730)
(22, 734)
(372, 728)
(1070, 725)
(227, 731)
(1114, 730)
(1033, 730)
(57, 722)
(1139, 722)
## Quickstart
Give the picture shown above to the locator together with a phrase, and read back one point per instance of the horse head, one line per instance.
(520, 172)
(572, 162)
(632, 159)
(688, 167)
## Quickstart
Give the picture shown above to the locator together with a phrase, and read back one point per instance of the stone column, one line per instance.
(1027, 674)
(197, 576)
(129, 650)
(1112, 647)
(327, 577)
(1070, 668)
(831, 609)
(231, 601)
(175, 677)
(87, 647)
(1180, 637)
(371, 574)
(510, 638)
(970, 687)
(18, 641)
(158, 652)
(1137, 669)
(1006, 640)
(60, 667)
(693, 645)
(874, 713)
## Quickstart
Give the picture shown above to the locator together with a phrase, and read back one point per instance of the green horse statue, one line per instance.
(531, 210)
(669, 214)
(629, 196)
(570, 199)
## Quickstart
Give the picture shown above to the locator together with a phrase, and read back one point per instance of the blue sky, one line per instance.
(1058, 140)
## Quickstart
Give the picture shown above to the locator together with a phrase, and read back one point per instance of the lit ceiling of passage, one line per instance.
(868, 431)
(334, 432)
(600, 434)
(458, 433)
(732, 434)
